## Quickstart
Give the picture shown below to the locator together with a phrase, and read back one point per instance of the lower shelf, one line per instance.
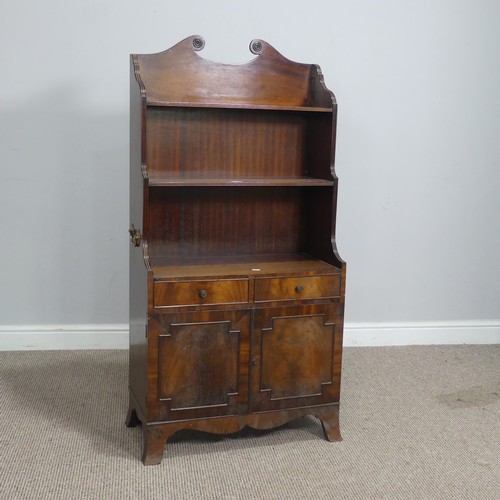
(156, 435)
(158, 179)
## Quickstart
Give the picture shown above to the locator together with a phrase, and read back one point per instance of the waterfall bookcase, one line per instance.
(236, 287)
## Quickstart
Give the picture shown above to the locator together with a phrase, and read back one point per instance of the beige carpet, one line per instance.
(417, 422)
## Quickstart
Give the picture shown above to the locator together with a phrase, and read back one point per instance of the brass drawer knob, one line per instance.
(299, 289)
(203, 294)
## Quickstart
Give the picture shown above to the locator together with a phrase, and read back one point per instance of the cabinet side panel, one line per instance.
(319, 94)
(320, 227)
(321, 208)
(138, 274)
(137, 147)
(138, 326)
(319, 143)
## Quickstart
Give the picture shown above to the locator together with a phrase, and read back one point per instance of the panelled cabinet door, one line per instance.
(201, 362)
(296, 356)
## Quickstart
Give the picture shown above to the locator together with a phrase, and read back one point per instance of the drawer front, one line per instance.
(305, 287)
(208, 292)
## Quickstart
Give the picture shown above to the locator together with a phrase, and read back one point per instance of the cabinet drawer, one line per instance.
(189, 293)
(306, 287)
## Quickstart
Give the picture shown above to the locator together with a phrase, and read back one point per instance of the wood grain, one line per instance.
(180, 75)
(189, 142)
(240, 266)
(190, 221)
(297, 353)
(192, 351)
(310, 287)
(207, 292)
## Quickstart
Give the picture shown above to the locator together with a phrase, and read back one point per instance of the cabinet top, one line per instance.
(179, 76)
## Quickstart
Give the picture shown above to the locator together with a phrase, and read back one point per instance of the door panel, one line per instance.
(202, 364)
(296, 356)
(204, 356)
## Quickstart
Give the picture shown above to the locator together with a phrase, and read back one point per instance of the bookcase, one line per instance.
(236, 286)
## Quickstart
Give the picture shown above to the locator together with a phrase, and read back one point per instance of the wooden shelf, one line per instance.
(239, 266)
(236, 181)
(240, 106)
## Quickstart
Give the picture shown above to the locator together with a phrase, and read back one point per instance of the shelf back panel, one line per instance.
(187, 143)
(191, 221)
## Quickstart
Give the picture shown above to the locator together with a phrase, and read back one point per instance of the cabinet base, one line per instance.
(156, 435)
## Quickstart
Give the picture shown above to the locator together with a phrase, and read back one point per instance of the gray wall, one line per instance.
(418, 146)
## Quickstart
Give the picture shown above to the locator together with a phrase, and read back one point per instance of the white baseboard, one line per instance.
(422, 333)
(115, 336)
(62, 337)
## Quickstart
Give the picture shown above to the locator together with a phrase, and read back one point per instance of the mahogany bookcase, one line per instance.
(236, 287)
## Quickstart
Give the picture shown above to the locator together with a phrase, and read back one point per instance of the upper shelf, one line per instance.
(237, 181)
(228, 105)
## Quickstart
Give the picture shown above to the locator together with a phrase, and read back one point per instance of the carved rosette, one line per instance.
(256, 46)
(198, 43)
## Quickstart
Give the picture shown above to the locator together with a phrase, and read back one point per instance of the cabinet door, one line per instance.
(199, 364)
(296, 356)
